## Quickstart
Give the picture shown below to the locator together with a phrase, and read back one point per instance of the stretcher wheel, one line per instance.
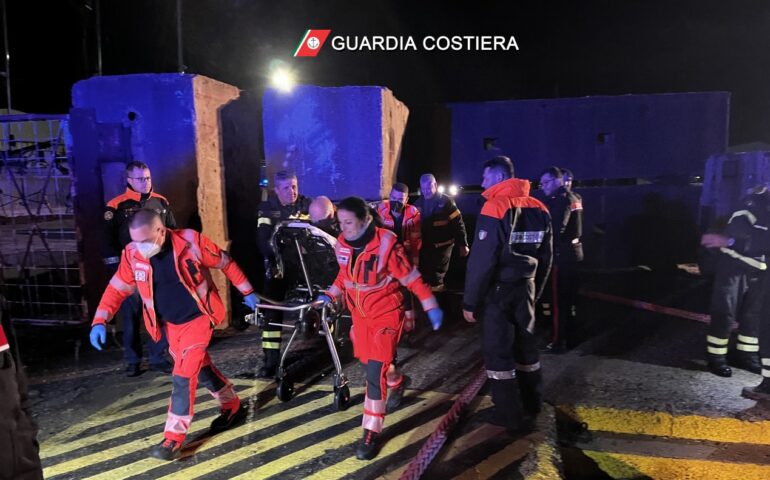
(342, 398)
(285, 390)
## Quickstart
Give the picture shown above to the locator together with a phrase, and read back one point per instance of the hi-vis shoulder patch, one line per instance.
(343, 256)
(482, 234)
(108, 215)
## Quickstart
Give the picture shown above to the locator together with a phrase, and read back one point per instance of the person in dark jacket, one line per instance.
(566, 209)
(284, 203)
(737, 294)
(138, 195)
(442, 229)
(322, 216)
(509, 262)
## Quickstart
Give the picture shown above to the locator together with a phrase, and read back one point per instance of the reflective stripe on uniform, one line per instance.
(717, 350)
(528, 368)
(411, 277)
(120, 285)
(744, 213)
(271, 334)
(527, 237)
(717, 340)
(102, 314)
(440, 223)
(766, 362)
(504, 375)
(264, 221)
(454, 214)
(111, 260)
(765, 372)
(271, 345)
(747, 260)
(429, 303)
(747, 348)
(749, 340)
(245, 287)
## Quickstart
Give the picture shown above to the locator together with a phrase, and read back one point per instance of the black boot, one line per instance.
(717, 364)
(396, 396)
(367, 449)
(227, 419)
(748, 361)
(531, 388)
(508, 410)
(760, 392)
(167, 450)
(272, 358)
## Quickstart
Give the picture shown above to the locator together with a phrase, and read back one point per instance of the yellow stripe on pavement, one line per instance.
(498, 461)
(619, 465)
(255, 425)
(662, 424)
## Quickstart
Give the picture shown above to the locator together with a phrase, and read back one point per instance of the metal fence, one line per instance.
(40, 266)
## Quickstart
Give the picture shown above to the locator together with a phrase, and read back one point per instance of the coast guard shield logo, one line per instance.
(482, 234)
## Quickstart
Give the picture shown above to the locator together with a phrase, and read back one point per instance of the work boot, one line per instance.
(748, 361)
(162, 367)
(760, 392)
(272, 358)
(396, 395)
(227, 419)
(367, 448)
(133, 370)
(508, 411)
(718, 366)
(167, 450)
(531, 389)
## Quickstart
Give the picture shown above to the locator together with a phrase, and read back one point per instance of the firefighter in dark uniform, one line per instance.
(737, 294)
(566, 209)
(509, 262)
(138, 195)
(284, 204)
(442, 229)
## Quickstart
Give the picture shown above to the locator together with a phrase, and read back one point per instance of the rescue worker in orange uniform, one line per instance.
(403, 220)
(374, 269)
(171, 271)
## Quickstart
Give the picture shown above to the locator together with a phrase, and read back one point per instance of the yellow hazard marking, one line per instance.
(53, 449)
(662, 424)
(620, 465)
(497, 461)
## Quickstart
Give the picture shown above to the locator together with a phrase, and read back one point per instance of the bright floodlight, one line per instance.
(441, 189)
(282, 79)
(453, 190)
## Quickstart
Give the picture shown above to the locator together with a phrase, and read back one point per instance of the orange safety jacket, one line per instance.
(410, 228)
(194, 255)
(372, 284)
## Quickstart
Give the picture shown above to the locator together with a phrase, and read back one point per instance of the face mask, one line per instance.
(148, 250)
(397, 207)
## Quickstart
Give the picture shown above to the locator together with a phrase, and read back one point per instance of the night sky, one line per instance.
(567, 49)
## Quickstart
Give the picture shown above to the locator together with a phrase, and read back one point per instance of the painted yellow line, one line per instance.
(254, 425)
(117, 410)
(47, 451)
(498, 461)
(618, 465)
(662, 424)
(547, 461)
(124, 449)
(351, 465)
(351, 436)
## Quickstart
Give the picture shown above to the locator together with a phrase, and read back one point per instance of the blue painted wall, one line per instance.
(158, 110)
(600, 137)
(331, 137)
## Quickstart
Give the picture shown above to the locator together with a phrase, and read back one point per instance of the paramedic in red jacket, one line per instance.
(170, 269)
(373, 270)
(404, 220)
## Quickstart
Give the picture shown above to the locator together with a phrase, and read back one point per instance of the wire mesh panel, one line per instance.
(40, 266)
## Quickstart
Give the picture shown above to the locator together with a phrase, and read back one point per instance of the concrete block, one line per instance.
(340, 141)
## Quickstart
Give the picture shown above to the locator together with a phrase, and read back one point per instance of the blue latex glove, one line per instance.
(98, 336)
(251, 301)
(323, 299)
(436, 317)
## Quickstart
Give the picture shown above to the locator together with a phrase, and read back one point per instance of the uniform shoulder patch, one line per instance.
(108, 215)
(482, 234)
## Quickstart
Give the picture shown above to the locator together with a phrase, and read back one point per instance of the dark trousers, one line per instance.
(19, 457)
(562, 293)
(131, 311)
(737, 297)
(275, 288)
(434, 263)
(510, 349)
